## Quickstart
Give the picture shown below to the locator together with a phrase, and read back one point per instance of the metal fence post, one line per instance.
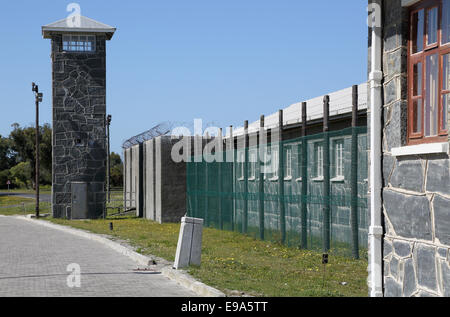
(130, 165)
(206, 187)
(232, 156)
(108, 161)
(125, 169)
(354, 175)
(261, 160)
(281, 178)
(304, 168)
(245, 216)
(198, 166)
(326, 175)
(220, 177)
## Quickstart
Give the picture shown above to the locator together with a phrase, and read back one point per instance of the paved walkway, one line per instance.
(34, 261)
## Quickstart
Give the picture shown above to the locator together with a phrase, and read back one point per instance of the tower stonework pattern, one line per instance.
(79, 131)
(79, 117)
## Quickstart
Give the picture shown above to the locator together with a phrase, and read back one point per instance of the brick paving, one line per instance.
(34, 261)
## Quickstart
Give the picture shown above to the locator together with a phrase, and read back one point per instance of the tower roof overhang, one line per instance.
(85, 25)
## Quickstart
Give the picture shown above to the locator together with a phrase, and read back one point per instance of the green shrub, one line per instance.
(21, 175)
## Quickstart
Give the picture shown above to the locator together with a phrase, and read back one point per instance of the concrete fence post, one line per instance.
(189, 248)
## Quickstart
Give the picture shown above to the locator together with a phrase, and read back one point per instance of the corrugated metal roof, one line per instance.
(87, 25)
(340, 103)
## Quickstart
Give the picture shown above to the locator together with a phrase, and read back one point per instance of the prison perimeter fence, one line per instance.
(309, 192)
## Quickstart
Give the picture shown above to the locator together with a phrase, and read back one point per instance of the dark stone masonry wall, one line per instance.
(79, 145)
(416, 193)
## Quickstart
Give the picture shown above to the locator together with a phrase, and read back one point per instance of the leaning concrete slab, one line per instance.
(155, 183)
(170, 181)
(189, 248)
(128, 178)
(150, 180)
(138, 180)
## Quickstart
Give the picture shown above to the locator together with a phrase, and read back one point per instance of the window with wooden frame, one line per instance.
(428, 72)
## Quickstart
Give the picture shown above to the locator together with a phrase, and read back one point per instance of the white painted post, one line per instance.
(375, 229)
(189, 248)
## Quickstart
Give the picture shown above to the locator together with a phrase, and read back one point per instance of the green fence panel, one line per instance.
(250, 197)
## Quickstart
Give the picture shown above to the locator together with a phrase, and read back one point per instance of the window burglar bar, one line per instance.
(79, 43)
(339, 158)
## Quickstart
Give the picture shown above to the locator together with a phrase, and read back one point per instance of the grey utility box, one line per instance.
(79, 200)
(189, 249)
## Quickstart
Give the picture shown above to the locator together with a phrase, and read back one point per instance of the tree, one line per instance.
(5, 176)
(115, 159)
(46, 149)
(116, 170)
(22, 144)
(21, 175)
(6, 155)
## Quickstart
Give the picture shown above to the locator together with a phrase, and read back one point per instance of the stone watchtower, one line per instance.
(79, 110)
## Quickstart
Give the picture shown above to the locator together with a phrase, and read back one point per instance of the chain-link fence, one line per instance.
(309, 192)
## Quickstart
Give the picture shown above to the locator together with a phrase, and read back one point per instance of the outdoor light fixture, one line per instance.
(108, 162)
(38, 99)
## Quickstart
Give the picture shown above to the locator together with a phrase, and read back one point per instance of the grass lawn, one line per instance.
(232, 261)
(13, 205)
(13, 200)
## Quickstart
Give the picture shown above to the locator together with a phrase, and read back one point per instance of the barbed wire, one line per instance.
(160, 129)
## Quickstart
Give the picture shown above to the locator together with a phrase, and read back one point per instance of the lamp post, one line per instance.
(38, 99)
(108, 162)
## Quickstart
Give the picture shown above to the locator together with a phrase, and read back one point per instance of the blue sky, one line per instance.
(223, 61)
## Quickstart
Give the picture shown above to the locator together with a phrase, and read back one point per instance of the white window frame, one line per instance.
(299, 160)
(339, 158)
(253, 160)
(274, 159)
(240, 165)
(79, 43)
(288, 164)
(318, 157)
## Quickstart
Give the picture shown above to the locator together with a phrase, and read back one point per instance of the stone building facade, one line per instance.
(79, 109)
(416, 178)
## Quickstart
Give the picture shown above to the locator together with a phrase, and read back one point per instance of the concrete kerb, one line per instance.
(179, 276)
(184, 279)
